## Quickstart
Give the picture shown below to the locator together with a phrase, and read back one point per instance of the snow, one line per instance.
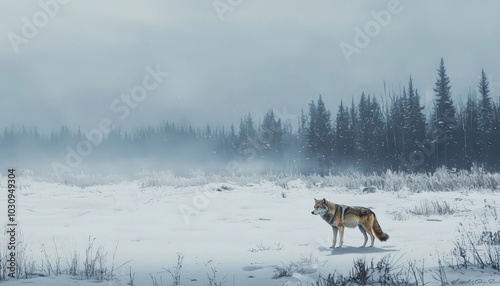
(241, 231)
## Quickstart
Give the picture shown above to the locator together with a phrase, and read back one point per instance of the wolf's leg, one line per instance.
(341, 228)
(370, 232)
(373, 238)
(363, 231)
(335, 231)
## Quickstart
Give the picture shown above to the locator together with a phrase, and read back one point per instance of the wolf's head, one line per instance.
(320, 207)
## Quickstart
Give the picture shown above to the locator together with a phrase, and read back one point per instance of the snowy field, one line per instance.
(232, 231)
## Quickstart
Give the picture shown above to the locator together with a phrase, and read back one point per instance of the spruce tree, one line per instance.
(302, 133)
(232, 141)
(470, 126)
(325, 137)
(495, 165)
(371, 133)
(416, 115)
(364, 128)
(444, 121)
(312, 131)
(415, 121)
(354, 130)
(395, 123)
(247, 138)
(271, 136)
(486, 119)
(320, 136)
(343, 134)
(378, 135)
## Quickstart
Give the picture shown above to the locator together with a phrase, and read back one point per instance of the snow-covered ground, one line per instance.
(237, 231)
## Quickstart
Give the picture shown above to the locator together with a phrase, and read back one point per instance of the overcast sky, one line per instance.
(68, 63)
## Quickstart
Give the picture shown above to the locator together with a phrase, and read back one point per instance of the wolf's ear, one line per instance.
(324, 200)
(316, 200)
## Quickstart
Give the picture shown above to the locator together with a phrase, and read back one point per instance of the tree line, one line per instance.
(371, 135)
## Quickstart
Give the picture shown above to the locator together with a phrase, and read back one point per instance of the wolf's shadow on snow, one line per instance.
(356, 250)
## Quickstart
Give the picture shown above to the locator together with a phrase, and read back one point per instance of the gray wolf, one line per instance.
(341, 216)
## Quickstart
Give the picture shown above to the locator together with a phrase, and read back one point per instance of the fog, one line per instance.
(76, 63)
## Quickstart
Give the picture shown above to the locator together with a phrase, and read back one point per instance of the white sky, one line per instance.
(265, 54)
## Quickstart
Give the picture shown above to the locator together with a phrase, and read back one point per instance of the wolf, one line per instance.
(340, 216)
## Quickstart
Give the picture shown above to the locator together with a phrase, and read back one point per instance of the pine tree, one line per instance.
(354, 129)
(363, 128)
(496, 139)
(302, 131)
(396, 123)
(486, 118)
(372, 133)
(247, 138)
(291, 156)
(312, 131)
(325, 136)
(232, 140)
(470, 126)
(271, 136)
(320, 136)
(405, 124)
(415, 121)
(444, 121)
(416, 115)
(303, 156)
(343, 134)
(378, 134)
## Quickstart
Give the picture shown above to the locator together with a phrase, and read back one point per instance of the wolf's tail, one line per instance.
(378, 230)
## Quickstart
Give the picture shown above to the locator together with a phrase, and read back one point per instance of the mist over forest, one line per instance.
(369, 134)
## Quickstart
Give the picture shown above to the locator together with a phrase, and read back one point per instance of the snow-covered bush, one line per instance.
(478, 241)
